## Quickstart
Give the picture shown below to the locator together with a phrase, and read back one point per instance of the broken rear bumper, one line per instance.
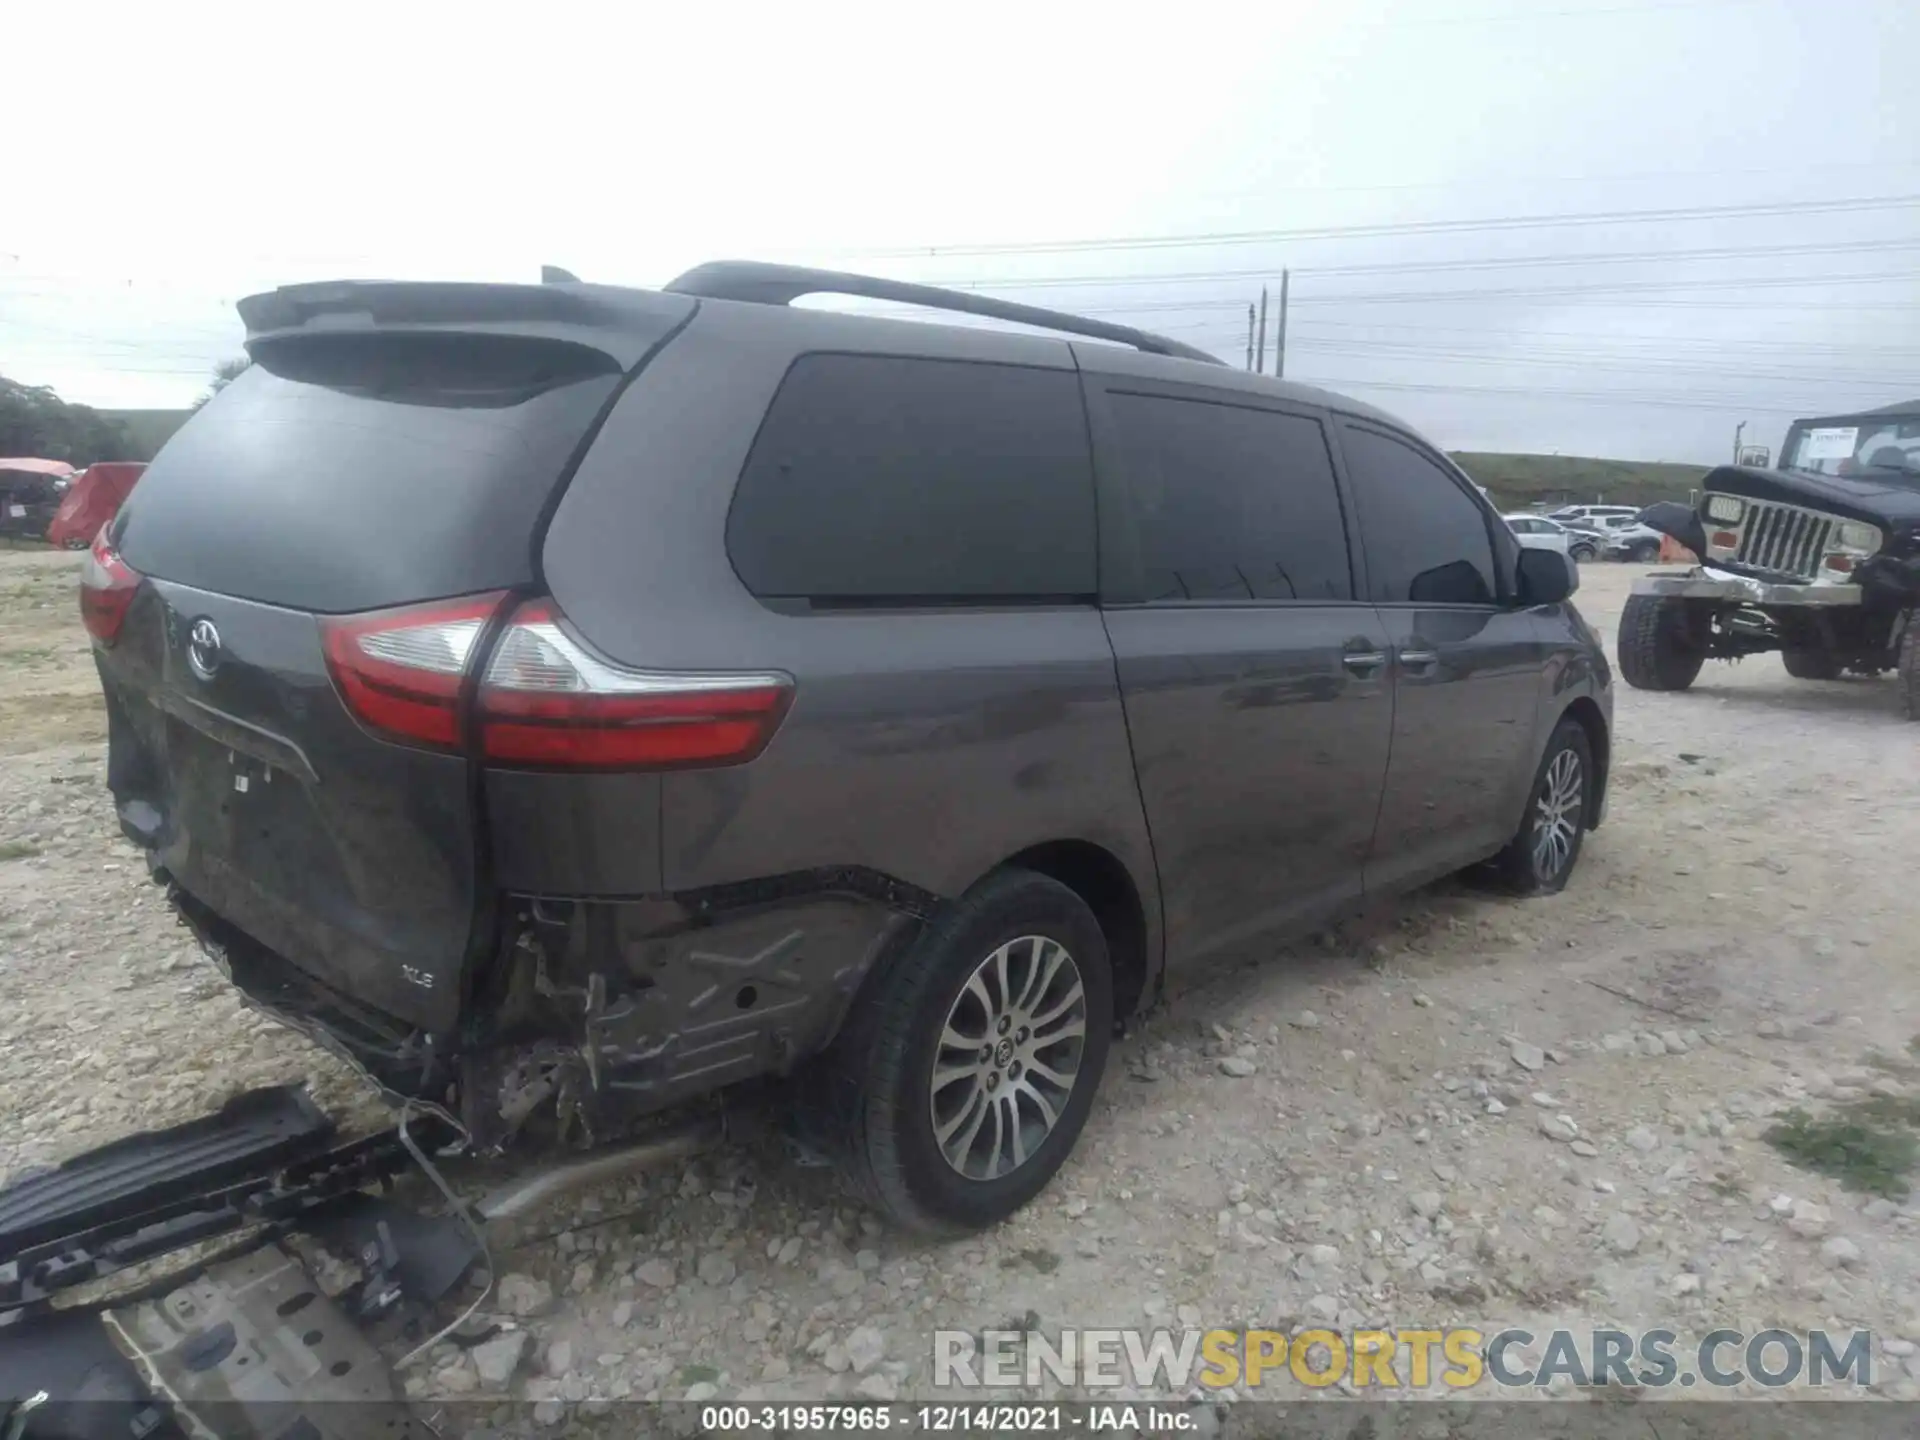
(1710, 584)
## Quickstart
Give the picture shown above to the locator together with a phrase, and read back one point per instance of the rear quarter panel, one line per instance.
(927, 745)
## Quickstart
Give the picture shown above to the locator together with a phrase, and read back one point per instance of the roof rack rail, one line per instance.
(762, 284)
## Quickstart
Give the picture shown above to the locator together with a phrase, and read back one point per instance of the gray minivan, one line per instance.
(566, 701)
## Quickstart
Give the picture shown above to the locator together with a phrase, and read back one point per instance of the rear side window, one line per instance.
(1426, 538)
(877, 479)
(1232, 503)
(355, 472)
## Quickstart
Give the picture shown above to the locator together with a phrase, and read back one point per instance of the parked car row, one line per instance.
(1588, 532)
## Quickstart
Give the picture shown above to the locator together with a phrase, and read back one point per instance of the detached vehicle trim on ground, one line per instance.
(566, 701)
(1819, 561)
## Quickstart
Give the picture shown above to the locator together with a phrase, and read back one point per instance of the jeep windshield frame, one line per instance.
(1855, 446)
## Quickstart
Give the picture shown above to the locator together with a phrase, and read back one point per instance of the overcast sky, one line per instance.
(166, 161)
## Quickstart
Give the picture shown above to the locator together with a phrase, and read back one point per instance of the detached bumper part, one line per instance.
(252, 1347)
(1710, 584)
(252, 1134)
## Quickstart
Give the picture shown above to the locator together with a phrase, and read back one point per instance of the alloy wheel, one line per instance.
(1009, 1057)
(1557, 815)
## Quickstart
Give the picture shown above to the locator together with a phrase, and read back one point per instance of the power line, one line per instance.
(1407, 227)
(1630, 338)
(1618, 364)
(1569, 291)
(1616, 287)
(1755, 252)
(1669, 402)
(1569, 359)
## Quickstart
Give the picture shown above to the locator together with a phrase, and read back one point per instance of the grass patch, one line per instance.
(1868, 1145)
(18, 849)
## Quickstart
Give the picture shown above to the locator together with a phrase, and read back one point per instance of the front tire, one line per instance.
(1658, 644)
(1645, 552)
(966, 1071)
(1582, 553)
(1811, 664)
(1543, 852)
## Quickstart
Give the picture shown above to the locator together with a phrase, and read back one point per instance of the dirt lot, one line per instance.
(1739, 940)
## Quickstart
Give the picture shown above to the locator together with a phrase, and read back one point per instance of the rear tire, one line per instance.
(1645, 552)
(76, 544)
(945, 1137)
(1657, 645)
(1811, 664)
(1543, 852)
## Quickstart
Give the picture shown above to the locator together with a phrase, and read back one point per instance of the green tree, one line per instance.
(224, 374)
(36, 421)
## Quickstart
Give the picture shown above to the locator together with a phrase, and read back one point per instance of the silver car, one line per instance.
(1537, 532)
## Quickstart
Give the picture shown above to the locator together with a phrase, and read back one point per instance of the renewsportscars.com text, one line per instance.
(1455, 1358)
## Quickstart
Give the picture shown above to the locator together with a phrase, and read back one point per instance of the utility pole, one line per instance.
(1260, 345)
(1736, 440)
(1280, 330)
(1249, 335)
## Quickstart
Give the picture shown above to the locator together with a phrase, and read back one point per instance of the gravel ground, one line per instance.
(1458, 1109)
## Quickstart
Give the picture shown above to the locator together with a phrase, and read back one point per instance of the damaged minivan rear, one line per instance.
(288, 617)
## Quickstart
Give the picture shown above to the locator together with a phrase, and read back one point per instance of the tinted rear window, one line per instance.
(878, 479)
(351, 473)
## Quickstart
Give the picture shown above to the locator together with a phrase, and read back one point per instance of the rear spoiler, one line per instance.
(621, 323)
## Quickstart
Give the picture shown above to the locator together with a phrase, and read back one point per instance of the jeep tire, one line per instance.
(1659, 644)
(1805, 664)
(933, 1097)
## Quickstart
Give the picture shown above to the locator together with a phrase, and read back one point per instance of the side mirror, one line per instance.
(1545, 577)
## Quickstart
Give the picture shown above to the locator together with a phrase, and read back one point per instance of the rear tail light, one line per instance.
(107, 584)
(547, 699)
(401, 670)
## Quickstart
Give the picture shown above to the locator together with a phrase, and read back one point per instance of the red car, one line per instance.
(96, 494)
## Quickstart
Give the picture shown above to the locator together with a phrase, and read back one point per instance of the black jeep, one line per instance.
(1819, 560)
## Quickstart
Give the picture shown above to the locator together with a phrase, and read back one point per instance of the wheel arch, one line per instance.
(1103, 881)
(1586, 712)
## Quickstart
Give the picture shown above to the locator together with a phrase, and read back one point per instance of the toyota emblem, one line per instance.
(203, 649)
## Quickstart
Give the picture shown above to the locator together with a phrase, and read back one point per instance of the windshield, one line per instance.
(1880, 447)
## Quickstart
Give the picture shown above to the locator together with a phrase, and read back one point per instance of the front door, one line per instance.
(1256, 685)
(1468, 663)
